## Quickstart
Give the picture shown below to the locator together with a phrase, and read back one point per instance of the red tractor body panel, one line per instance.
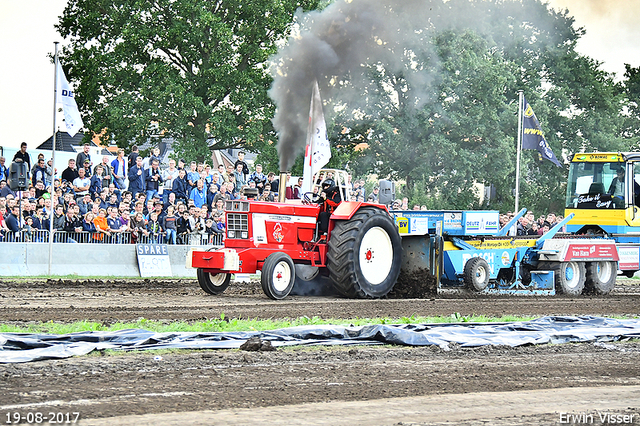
(347, 209)
(250, 259)
(257, 229)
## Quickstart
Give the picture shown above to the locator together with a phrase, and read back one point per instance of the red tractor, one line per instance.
(361, 251)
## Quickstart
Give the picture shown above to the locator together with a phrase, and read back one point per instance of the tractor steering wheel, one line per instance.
(308, 198)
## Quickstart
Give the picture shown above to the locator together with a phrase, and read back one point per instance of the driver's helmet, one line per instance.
(328, 183)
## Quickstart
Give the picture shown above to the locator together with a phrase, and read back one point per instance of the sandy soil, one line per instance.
(233, 387)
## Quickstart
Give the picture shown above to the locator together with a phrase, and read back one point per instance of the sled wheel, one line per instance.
(476, 274)
(213, 283)
(569, 276)
(629, 274)
(601, 277)
(364, 254)
(278, 275)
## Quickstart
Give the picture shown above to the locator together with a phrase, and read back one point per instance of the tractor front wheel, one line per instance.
(213, 283)
(278, 275)
(364, 254)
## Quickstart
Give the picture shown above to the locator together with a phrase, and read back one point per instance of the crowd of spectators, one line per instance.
(117, 201)
(135, 199)
(529, 225)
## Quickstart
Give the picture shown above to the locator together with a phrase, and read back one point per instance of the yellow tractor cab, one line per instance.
(603, 193)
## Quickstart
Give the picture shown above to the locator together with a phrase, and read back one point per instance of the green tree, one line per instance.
(631, 88)
(191, 69)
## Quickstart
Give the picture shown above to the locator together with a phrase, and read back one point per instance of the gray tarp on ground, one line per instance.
(22, 347)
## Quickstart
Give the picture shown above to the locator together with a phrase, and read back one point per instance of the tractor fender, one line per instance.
(347, 209)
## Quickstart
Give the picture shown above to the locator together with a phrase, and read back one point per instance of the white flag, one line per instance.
(317, 152)
(64, 96)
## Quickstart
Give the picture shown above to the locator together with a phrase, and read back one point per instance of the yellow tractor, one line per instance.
(604, 195)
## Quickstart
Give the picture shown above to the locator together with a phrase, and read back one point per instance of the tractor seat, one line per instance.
(596, 188)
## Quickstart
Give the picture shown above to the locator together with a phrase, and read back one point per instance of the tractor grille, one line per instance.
(237, 225)
(237, 205)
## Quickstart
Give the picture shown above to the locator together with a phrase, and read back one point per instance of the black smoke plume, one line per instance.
(339, 46)
(350, 44)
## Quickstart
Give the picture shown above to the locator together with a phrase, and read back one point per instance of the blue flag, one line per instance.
(532, 136)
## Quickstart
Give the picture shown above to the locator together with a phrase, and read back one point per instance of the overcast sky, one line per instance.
(26, 74)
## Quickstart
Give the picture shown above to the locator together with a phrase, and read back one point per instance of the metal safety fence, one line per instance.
(42, 236)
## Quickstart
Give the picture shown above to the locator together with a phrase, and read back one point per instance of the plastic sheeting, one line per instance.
(22, 347)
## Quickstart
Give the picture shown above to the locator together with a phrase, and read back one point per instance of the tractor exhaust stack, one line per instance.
(282, 187)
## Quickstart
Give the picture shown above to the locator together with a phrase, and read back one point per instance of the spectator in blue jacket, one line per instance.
(87, 223)
(111, 202)
(39, 171)
(95, 188)
(193, 175)
(119, 166)
(136, 177)
(211, 193)
(181, 186)
(13, 222)
(152, 179)
(4, 171)
(198, 194)
(259, 178)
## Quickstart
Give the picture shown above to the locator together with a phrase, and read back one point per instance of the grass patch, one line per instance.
(224, 324)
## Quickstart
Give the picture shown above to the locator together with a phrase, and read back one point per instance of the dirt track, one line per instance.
(138, 384)
(111, 301)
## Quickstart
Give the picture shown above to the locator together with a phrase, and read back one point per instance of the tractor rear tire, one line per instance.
(278, 275)
(476, 274)
(213, 283)
(364, 254)
(569, 276)
(601, 277)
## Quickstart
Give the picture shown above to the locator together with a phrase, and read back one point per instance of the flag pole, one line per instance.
(519, 149)
(53, 155)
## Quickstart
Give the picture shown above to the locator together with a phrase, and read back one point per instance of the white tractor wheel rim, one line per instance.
(481, 274)
(281, 276)
(604, 271)
(217, 279)
(376, 255)
(572, 275)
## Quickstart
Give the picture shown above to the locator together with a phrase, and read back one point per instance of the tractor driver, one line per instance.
(330, 198)
(616, 189)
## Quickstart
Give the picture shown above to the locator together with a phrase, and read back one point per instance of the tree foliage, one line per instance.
(191, 69)
(631, 88)
(443, 122)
